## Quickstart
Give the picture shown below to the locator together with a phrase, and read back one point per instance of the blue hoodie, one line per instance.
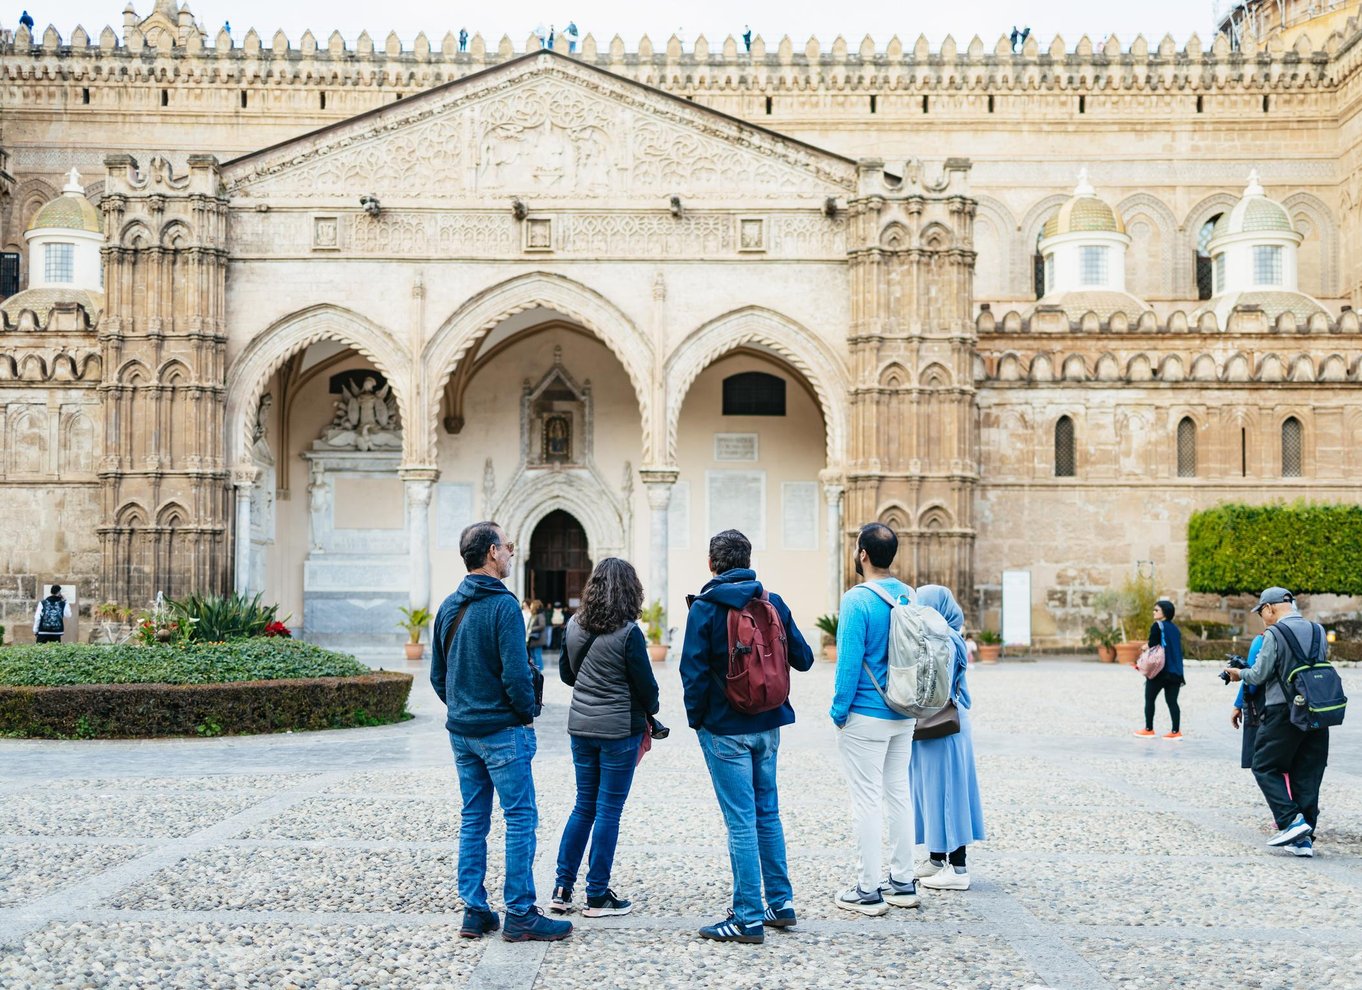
(704, 656)
(485, 681)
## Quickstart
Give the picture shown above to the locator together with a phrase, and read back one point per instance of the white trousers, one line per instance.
(875, 754)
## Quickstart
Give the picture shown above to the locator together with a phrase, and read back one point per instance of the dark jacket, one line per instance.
(704, 656)
(613, 688)
(484, 680)
(1167, 635)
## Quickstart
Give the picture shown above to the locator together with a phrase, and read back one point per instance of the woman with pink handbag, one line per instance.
(1165, 643)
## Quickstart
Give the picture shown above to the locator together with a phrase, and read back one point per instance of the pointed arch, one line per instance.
(821, 366)
(1222, 202)
(1161, 218)
(1028, 232)
(285, 337)
(935, 376)
(484, 311)
(532, 495)
(894, 375)
(174, 373)
(994, 230)
(896, 516)
(1322, 219)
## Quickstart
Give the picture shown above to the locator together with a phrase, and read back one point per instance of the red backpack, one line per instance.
(758, 664)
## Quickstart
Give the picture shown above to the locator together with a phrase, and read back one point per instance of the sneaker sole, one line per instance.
(871, 910)
(745, 939)
(463, 934)
(780, 922)
(555, 909)
(1302, 853)
(533, 937)
(902, 900)
(603, 912)
(945, 886)
(1290, 835)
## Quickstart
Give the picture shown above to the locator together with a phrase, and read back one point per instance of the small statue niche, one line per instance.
(556, 419)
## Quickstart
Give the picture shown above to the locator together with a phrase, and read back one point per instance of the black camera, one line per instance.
(1235, 662)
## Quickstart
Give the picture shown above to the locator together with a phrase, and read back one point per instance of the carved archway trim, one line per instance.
(534, 494)
(268, 351)
(804, 350)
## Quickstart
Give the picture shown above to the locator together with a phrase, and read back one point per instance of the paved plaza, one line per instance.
(326, 860)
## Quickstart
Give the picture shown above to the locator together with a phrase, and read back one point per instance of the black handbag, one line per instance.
(939, 725)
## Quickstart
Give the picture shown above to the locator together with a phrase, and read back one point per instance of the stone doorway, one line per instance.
(558, 564)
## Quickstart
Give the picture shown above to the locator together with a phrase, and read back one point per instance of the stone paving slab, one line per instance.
(29, 869)
(119, 814)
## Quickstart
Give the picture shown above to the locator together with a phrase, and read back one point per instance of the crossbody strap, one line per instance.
(581, 657)
(453, 629)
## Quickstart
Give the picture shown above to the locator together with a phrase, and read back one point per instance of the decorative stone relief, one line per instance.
(366, 419)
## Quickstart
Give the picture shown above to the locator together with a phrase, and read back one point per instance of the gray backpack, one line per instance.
(921, 657)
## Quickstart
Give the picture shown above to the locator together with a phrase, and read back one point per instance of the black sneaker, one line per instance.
(729, 930)
(562, 900)
(605, 905)
(477, 923)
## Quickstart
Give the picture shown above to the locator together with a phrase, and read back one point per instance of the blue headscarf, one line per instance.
(934, 596)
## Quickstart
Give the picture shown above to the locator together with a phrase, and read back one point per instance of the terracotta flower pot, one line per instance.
(1107, 654)
(1128, 652)
(830, 653)
(414, 651)
(657, 652)
(990, 652)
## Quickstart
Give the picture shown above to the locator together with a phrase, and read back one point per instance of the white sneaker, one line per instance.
(947, 879)
(902, 895)
(856, 899)
(928, 867)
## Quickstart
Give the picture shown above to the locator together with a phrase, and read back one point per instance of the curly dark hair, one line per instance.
(613, 596)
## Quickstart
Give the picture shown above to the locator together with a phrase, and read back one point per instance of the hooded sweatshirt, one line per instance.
(704, 656)
(484, 678)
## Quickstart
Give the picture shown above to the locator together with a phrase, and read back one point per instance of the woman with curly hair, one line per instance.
(605, 662)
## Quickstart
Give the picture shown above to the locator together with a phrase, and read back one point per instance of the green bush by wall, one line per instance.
(1310, 549)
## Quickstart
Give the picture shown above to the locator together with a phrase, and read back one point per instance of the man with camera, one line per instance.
(1288, 762)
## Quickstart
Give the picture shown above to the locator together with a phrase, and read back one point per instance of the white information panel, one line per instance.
(737, 500)
(678, 517)
(453, 513)
(1017, 608)
(799, 515)
(735, 446)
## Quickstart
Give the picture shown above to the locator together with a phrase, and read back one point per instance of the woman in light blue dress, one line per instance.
(946, 804)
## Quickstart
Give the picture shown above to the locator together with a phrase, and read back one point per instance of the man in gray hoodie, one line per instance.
(1288, 763)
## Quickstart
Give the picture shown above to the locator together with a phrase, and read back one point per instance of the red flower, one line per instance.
(278, 629)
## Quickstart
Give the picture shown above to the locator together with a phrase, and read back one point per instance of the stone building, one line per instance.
(354, 297)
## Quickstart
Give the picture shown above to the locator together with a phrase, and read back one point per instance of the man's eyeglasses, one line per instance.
(510, 547)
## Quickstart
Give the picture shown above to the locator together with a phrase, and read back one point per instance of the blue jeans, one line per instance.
(499, 762)
(605, 770)
(537, 657)
(743, 769)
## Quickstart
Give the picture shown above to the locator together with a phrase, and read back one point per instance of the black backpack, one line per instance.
(50, 619)
(1314, 691)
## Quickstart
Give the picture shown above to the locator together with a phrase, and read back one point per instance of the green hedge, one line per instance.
(196, 663)
(1215, 649)
(1311, 549)
(112, 711)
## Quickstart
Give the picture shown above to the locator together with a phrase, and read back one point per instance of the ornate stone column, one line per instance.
(420, 485)
(658, 482)
(832, 497)
(244, 480)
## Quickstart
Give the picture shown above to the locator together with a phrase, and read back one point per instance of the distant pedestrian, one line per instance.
(1247, 713)
(570, 32)
(49, 618)
(541, 34)
(740, 749)
(480, 670)
(551, 35)
(1169, 680)
(747, 37)
(875, 742)
(463, 39)
(227, 26)
(26, 21)
(605, 662)
(971, 649)
(946, 801)
(537, 633)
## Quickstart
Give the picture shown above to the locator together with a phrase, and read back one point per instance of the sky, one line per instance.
(631, 19)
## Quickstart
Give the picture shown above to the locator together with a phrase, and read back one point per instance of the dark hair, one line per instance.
(613, 596)
(879, 542)
(475, 541)
(1167, 607)
(728, 550)
(56, 589)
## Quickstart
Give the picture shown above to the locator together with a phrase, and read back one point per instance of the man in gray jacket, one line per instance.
(1288, 763)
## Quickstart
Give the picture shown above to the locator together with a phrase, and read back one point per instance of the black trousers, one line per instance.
(1170, 688)
(1289, 766)
(48, 637)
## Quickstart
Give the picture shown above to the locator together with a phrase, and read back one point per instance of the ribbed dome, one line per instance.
(1255, 213)
(69, 211)
(1084, 212)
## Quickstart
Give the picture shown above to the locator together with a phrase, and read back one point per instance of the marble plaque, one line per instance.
(799, 515)
(678, 517)
(453, 513)
(737, 500)
(735, 446)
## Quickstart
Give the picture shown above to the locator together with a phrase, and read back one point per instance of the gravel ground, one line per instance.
(1112, 862)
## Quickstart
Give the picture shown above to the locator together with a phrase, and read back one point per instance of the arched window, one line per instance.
(1186, 448)
(1205, 277)
(1291, 448)
(1064, 448)
(754, 393)
(1042, 271)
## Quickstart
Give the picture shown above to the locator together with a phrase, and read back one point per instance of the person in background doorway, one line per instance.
(537, 633)
(1169, 680)
(49, 618)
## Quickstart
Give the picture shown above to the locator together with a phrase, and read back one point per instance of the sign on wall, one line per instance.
(799, 515)
(453, 513)
(1017, 608)
(735, 446)
(737, 500)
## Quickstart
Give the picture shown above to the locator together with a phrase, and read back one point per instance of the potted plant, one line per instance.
(652, 628)
(113, 623)
(828, 625)
(1105, 639)
(1135, 610)
(413, 621)
(990, 646)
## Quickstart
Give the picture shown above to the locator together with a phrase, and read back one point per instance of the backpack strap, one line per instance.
(888, 599)
(581, 657)
(1285, 637)
(454, 628)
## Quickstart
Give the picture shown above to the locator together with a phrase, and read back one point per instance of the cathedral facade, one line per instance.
(284, 317)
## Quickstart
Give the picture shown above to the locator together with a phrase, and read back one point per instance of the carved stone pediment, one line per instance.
(547, 128)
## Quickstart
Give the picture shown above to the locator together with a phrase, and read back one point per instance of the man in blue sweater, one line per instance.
(481, 671)
(740, 750)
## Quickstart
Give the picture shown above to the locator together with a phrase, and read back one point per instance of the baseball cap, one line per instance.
(1273, 596)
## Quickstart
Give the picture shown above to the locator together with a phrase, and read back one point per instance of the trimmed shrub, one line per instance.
(1311, 549)
(1215, 649)
(196, 663)
(110, 711)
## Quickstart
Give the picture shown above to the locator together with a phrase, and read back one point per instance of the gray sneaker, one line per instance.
(856, 899)
(902, 895)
